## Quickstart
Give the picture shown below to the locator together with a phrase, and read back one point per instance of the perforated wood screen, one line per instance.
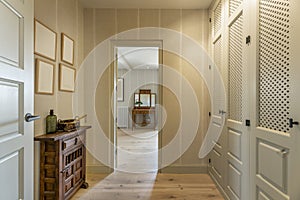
(274, 65)
(218, 62)
(235, 69)
(233, 5)
(217, 18)
(218, 52)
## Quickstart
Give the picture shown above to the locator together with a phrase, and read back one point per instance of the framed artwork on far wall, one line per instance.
(67, 77)
(120, 89)
(67, 49)
(44, 41)
(44, 77)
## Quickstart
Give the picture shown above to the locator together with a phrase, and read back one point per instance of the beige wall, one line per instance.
(100, 24)
(61, 16)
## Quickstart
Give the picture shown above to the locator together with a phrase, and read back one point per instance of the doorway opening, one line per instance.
(137, 99)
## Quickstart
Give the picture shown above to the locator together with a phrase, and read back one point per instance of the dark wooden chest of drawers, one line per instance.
(62, 163)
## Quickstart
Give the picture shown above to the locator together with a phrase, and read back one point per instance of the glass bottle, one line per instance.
(51, 122)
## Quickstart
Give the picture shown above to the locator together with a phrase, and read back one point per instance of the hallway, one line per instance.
(134, 155)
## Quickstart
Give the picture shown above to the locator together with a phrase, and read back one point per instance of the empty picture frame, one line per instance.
(66, 78)
(44, 41)
(120, 89)
(44, 77)
(67, 49)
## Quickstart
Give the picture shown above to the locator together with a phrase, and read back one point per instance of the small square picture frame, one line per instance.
(67, 76)
(67, 49)
(45, 40)
(44, 77)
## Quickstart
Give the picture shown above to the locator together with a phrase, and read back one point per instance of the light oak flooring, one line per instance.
(136, 158)
(137, 150)
(148, 186)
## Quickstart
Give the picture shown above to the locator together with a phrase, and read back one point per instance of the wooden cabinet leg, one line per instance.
(84, 185)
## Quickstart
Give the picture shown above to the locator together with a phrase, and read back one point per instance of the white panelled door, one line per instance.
(237, 131)
(16, 99)
(275, 138)
(217, 155)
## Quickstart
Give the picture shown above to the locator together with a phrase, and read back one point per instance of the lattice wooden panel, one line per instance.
(274, 65)
(236, 69)
(217, 18)
(233, 5)
(216, 69)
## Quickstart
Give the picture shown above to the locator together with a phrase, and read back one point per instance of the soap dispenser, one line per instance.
(51, 122)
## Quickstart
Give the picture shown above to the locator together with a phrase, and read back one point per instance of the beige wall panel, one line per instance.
(172, 123)
(201, 91)
(105, 18)
(64, 105)
(149, 18)
(127, 19)
(42, 106)
(173, 116)
(91, 160)
(194, 25)
(172, 60)
(80, 35)
(103, 96)
(171, 19)
(67, 22)
(45, 11)
(89, 33)
(191, 24)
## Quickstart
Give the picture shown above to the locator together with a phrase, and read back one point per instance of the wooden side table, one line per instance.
(143, 111)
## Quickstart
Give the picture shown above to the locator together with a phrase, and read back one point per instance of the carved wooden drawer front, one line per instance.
(78, 165)
(71, 157)
(78, 176)
(71, 143)
(69, 184)
(62, 164)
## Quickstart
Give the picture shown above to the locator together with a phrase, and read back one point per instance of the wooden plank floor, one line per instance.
(149, 186)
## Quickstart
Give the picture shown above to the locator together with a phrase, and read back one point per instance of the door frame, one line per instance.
(114, 44)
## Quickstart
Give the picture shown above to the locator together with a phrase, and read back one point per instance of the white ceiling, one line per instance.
(131, 58)
(162, 4)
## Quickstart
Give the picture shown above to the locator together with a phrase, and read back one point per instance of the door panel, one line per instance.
(234, 144)
(10, 166)
(10, 122)
(238, 137)
(234, 182)
(274, 144)
(216, 164)
(262, 196)
(16, 99)
(12, 31)
(272, 164)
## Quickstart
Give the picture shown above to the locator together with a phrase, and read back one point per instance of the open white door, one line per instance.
(16, 99)
(275, 138)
